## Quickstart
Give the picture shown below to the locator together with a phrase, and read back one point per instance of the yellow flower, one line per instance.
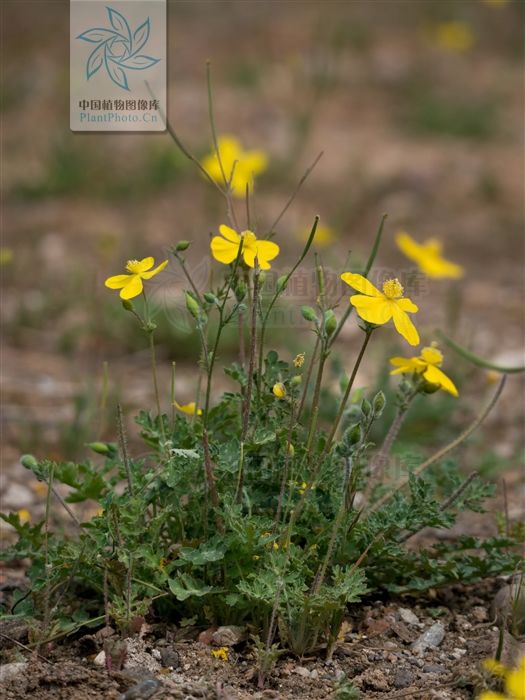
(428, 257)
(496, 3)
(225, 248)
(24, 515)
(220, 653)
(247, 164)
(427, 364)
(514, 681)
(6, 256)
(298, 360)
(188, 408)
(279, 390)
(454, 36)
(131, 285)
(379, 307)
(324, 235)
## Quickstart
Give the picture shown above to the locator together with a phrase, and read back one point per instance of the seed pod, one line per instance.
(282, 283)
(308, 313)
(192, 306)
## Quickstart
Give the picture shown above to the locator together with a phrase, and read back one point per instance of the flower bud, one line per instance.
(366, 407)
(101, 448)
(296, 380)
(182, 245)
(279, 390)
(308, 313)
(262, 279)
(127, 304)
(192, 306)
(291, 450)
(282, 283)
(379, 403)
(330, 322)
(28, 461)
(210, 298)
(240, 291)
(354, 434)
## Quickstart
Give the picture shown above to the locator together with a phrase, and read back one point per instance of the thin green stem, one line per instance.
(445, 450)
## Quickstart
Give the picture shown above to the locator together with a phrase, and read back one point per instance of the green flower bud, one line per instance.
(240, 291)
(192, 306)
(296, 380)
(291, 450)
(101, 448)
(127, 304)
(282, 283)
(210, 298)
(262, 279)
(366, 407)
(354, 435)
(308, 313)
(28, 461)
(182, 245)
(330, 322)
(379, 403)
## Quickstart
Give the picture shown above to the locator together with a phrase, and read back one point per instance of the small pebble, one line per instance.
(433, 668)
(302, 671)
(141, 691)
(431, 638)
(408, 616)
(8, 671)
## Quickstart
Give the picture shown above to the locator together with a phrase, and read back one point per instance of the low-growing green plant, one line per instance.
(263, 507)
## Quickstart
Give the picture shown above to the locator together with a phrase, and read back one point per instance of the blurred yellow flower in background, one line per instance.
(324, 235)
(378, 307)
(24, 515)
(454, 36)
(428, 257)
(427, 364)
(496, 3)
(514, 680)
(6, 256)
(131, 285)
(188, 408)
(298, 360)
(225, 248)
(247, 165)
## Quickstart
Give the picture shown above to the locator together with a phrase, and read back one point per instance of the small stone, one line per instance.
(374, 679)
(314, 675)
(390, 646)
(141, 691)
(479, 614)
(458, 653)
(8, 671)
(408, 616)
(100, 659)
(170, 658)
(228, 636)
(433, 668)
(302, 671)
(431, 638)
(206, 636)
(403, 678)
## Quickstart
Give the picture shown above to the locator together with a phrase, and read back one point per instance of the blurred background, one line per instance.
(418, 108)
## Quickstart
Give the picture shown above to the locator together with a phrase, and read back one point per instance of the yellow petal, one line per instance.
(403, 365)
(373, 309)
(491, 695)
(117, 281)
(133, 288)
(360, 284)
(408, 246)
(145, 264)
(223, 251)
(152, 273)
(188, 408)
(439, 268)
(255, 162)
(266, 250)
(404, 325)
(515, 681)
(229, 234)
(406, 304)
(436, 376)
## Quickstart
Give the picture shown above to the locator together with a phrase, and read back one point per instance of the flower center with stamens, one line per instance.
(393, 289)
(133, 266)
